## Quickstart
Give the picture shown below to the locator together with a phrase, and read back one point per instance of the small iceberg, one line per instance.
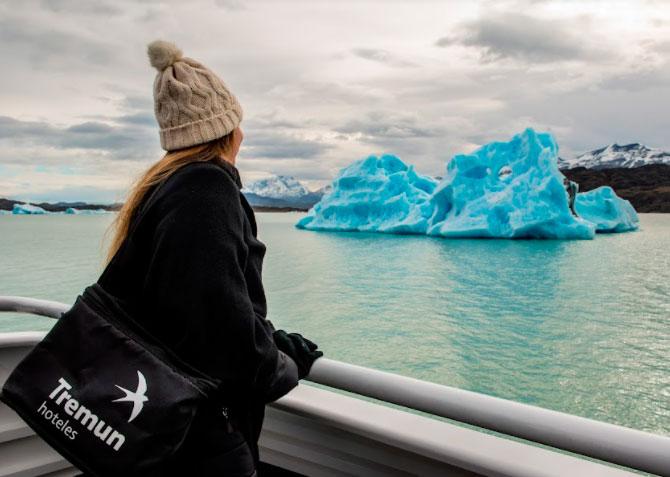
(503, 190)
(28, 209)
(74, 211)
(609, 212)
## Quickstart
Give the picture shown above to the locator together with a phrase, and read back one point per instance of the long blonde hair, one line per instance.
(158, 172)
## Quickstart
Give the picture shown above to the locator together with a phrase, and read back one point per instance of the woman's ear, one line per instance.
(238, 137)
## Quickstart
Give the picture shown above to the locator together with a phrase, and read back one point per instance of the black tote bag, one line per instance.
(106, 397)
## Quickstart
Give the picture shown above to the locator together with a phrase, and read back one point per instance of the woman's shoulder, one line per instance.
(194, 188)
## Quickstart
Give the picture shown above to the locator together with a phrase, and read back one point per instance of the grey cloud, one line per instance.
(42, 47)
(230, 5)
(381, 56)
(13, 128)
(650, 69)
(272, 121)
(87, 7)
(263, 144)
(138, 119)
(318, 92)
(523, 37)
(303, 170)
(137, 102)
(119, 142)
(636, 81)
(415, 140)
(377, 126)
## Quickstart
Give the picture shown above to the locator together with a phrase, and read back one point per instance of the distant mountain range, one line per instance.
(8, 204)
(281, 192)
(616, 156)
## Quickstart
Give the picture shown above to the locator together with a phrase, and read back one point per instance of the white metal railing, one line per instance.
(607, 442)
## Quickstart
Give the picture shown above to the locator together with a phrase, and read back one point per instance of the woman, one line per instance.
(185, 261)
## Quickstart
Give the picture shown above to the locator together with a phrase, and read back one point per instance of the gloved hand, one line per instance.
(303, 351)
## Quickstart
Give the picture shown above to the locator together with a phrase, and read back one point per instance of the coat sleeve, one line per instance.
(196, 276)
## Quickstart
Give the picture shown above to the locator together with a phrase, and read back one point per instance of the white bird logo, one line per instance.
(137, 398)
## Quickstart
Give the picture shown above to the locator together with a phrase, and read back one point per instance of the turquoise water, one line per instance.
(581, 327)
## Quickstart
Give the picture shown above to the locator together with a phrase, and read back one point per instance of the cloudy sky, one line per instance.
(324, 83)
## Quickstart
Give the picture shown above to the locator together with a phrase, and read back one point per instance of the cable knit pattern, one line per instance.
(192, 104)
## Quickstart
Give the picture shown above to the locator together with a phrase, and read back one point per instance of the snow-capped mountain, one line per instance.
(281, 191)
(614, 155)
(277, 187)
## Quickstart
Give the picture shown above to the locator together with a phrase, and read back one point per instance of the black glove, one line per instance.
(298, 348)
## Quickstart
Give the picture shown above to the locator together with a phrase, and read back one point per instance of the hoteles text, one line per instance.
(80, 413)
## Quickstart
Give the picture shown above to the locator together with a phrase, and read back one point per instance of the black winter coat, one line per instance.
(190, 273)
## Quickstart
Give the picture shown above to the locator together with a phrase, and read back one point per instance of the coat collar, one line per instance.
(232, 171)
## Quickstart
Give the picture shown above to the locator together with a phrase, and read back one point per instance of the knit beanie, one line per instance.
(192, 104)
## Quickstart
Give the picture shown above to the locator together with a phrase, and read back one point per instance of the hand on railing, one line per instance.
(303, 351)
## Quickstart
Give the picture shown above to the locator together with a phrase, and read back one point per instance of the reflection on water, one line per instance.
(580, 327)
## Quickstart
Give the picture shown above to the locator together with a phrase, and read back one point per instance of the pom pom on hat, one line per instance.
(163, 54)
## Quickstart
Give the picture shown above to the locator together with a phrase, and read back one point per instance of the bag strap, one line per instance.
(136, 219)
(142, 210)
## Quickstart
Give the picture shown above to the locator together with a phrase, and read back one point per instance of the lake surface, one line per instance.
(581, 327)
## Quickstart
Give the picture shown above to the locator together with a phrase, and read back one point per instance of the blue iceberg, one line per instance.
(378, 194)
(503, 190)
(28, 209)
(609, 212)
(507, 190)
